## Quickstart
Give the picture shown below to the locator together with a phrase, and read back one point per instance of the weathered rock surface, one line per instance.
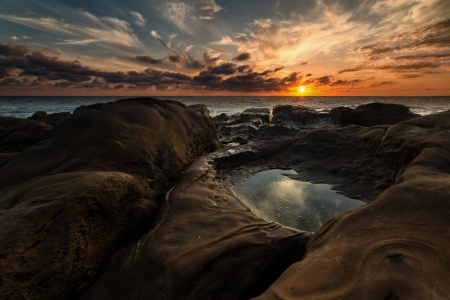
(295, 114)
(200, 108)
(16, 134)
(396, 247)
(206, 245)
(67, 203)
(372, 114)
(51, 119)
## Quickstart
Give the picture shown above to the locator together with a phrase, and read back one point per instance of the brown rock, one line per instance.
(207, 245)
(372, 114)
(291, 113)
(396, 247)
(200, 108)
(68, 203)
(16, 134)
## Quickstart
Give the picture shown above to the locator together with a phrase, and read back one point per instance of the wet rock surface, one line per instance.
(396, 246)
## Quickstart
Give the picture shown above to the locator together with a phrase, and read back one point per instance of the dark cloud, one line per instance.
(346, 82)
(192, 63)
(15, 50)
(308, 75)
(421, 56)
(383, 83)
(323, 80)
(148, 59)
(243, 56)
(350, 70)
(225, 69)
(41, 70)
(177, 58)
(304, 63)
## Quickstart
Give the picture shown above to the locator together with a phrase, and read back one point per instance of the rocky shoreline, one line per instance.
(132, 200)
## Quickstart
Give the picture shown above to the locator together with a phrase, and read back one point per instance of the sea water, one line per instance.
(23, 107)
(274, 196)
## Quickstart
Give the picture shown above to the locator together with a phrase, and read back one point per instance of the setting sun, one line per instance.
(301, 89)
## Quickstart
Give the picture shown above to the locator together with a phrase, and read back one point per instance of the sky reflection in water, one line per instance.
(293, 203)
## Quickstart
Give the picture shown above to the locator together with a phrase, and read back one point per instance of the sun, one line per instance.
(301, 89)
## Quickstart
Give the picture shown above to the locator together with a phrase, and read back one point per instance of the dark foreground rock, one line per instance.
(207, 245)
(372, 114)
(69, 202)
(16, 134)
(396, 247)
(51, 119)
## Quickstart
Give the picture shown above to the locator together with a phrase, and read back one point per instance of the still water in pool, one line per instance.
(298, 204)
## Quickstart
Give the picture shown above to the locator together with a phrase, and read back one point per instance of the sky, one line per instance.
(233, 47)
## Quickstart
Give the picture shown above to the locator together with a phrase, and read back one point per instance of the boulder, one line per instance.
(16, 134)
(372, 114)
(91, 189)
(39, 115)
(200, 108)
(291, 113)
(220, 118)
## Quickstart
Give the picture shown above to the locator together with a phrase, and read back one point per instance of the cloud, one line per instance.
(177, 58)
(106, 30)
(226, 40)
(12, 37)
(243, 56)
(148, 59)
(14, 50)
(39, 70)
(383, 83)
(139, 19)
(188, 15)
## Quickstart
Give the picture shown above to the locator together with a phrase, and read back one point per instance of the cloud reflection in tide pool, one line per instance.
(298, 204)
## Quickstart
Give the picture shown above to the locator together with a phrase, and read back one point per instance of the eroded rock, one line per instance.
(69, 202)
(372, 114)
(396, 247)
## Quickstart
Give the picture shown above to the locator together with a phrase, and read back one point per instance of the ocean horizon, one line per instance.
(25, 106)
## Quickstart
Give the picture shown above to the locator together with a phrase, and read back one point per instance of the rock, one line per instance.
(200, 108)
(208, 245)
(91, 189)
(51, 119)
(397, 246)
(372, 114)
(290, 113)
(220, 118)
(255, 116)
(39, 115)
(16, 134)
(342, 115)
(236, 133)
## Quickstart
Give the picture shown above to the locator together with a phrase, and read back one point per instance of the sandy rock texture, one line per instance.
(396, 247)
(69, 202)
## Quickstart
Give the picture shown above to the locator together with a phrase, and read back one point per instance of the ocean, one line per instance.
(23, 107)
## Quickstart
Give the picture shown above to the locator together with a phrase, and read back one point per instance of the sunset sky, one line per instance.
(213, 47)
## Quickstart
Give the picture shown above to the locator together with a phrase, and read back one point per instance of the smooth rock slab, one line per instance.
(207, 245)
